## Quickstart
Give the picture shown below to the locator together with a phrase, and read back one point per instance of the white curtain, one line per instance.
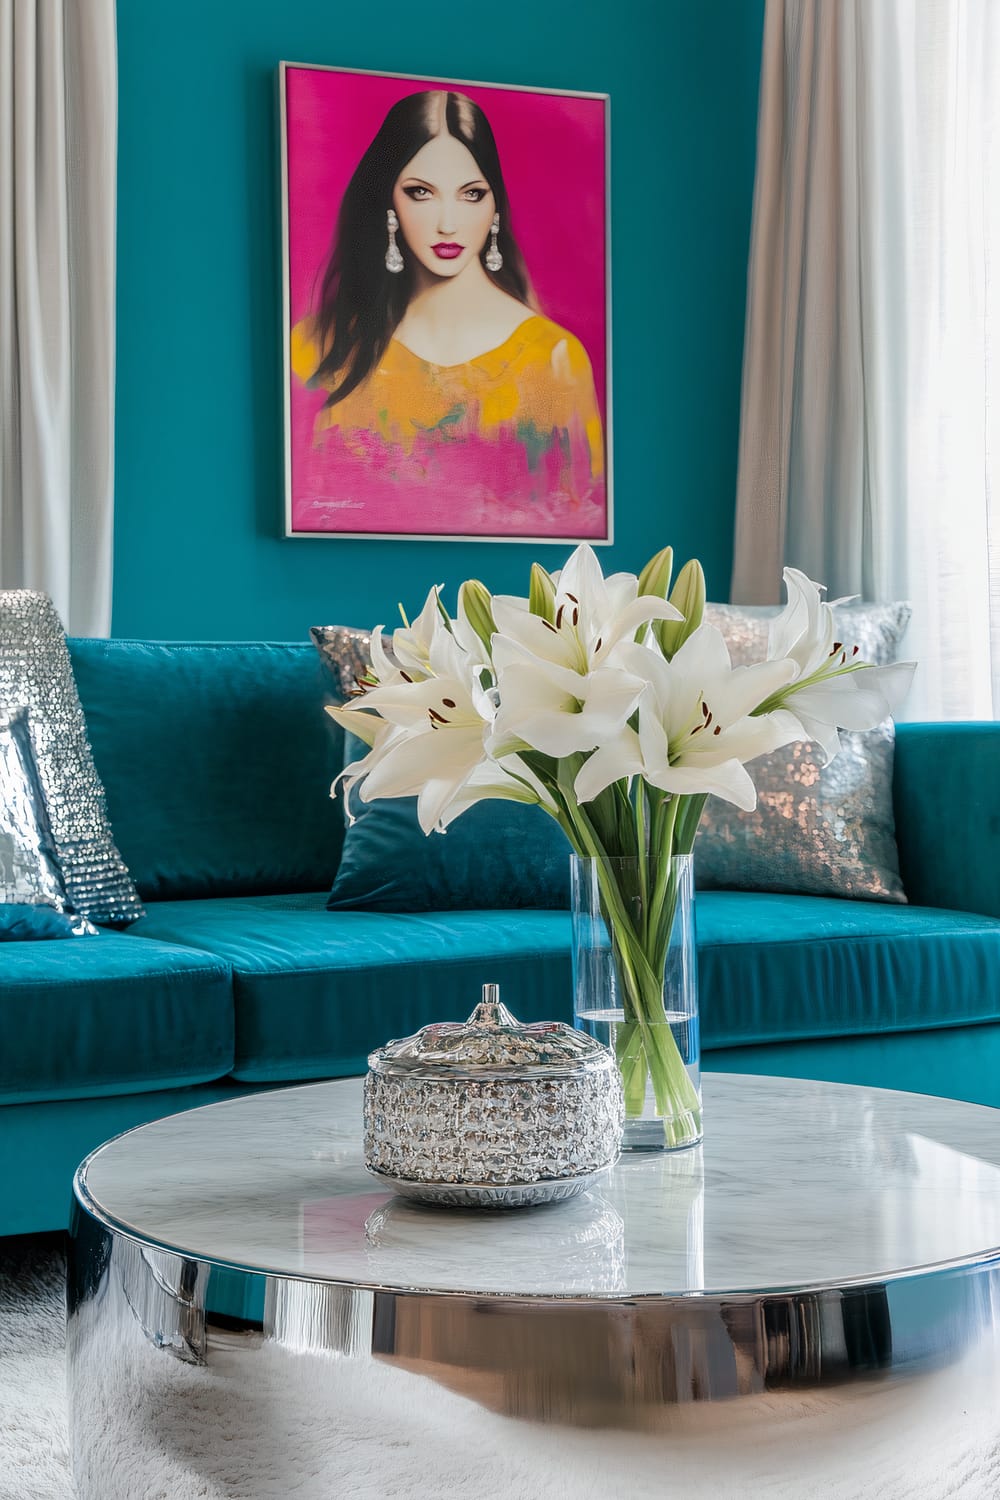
(58, 136)
(870, 428)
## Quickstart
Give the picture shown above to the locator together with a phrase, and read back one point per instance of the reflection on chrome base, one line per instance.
(166, 1353)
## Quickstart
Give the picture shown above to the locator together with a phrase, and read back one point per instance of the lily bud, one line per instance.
(476, 603)
(655, 579)
(542, 594)
(655, 576)
(689, 597)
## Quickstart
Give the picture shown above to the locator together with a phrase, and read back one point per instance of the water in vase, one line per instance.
(646, 1133)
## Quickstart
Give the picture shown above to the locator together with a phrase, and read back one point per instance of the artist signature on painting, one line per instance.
(326, 502)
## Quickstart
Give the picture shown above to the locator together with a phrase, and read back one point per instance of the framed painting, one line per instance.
(446, 309)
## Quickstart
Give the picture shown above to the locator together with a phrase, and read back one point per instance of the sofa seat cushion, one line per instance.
(784, 968)
(317, 990)
(108, 1015)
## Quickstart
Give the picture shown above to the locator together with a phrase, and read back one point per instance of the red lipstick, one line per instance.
(447, 252)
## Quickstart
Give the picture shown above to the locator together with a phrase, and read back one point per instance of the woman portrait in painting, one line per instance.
(447, 391)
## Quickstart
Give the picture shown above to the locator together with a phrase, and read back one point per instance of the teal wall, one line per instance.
(198, 547)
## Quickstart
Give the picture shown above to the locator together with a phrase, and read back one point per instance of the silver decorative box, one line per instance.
(492, 1114)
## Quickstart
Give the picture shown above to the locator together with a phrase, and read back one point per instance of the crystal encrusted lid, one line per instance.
(491, 1042)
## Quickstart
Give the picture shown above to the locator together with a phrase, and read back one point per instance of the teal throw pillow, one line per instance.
(497, 854)
(21, 923)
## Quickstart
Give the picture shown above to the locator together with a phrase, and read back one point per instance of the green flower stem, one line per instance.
(639, 922)
(642, 995)
(660, 921)
(632, 1066)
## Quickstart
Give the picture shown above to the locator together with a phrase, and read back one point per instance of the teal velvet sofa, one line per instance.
(217, 762)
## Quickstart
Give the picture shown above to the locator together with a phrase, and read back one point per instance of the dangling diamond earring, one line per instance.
(494, 260)
(393, 259)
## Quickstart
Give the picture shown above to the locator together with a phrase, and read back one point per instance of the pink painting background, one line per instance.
(553, 153)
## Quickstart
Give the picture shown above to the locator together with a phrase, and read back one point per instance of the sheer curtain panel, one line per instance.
(58, 129)
(870, 428)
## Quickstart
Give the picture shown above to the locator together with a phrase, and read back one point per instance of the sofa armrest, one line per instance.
(946, 797)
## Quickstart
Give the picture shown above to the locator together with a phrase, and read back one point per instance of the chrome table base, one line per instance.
(253, 1317)
(155, 1367)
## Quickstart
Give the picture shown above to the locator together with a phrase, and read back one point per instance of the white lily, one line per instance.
(695, 725)
(351, 717)
(591, 615)
(405, 697)
(803, 632)
(375, 732)
(509, 780)
(384, 668)
(446, 769)
(407, 657)
(431, 767)
(560, 688)
(413, 645)
(831, 687)
(548, 707)
(436, 730)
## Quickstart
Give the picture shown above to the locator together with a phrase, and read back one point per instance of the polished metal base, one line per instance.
(252, 1317)
(178, 1362)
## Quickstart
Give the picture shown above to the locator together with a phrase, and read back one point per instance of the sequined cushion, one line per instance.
(33, 900)
(817, 830)
(344, 652)
(35, 673)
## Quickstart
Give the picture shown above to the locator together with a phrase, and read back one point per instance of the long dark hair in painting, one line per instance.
(360, 303)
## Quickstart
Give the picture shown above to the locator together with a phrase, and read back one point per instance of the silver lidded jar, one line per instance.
(492, 1113)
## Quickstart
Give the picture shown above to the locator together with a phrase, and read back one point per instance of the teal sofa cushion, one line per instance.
(946, 790)
(217, 761)
(783, 968)
(317, 990)
(954, 1062)
(110, 1016)
(497, 854)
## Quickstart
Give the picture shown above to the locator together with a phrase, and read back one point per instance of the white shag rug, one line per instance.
(935, 1439)
(34, 1443)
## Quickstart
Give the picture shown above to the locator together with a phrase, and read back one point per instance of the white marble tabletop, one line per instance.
(797, 1185)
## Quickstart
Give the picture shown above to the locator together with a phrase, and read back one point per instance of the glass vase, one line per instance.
(635, 986)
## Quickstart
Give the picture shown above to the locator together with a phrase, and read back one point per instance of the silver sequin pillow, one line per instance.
(35, 673)
(344, 653)
(817, 830)
(31, 882)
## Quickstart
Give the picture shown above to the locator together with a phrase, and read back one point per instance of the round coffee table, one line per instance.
(240, 1288)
